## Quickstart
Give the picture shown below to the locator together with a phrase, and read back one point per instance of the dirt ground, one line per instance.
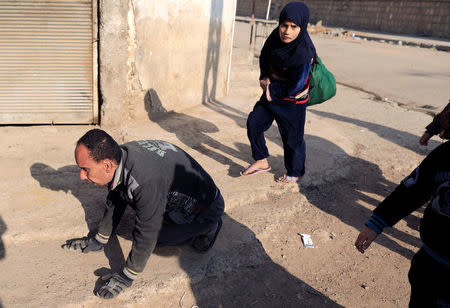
(358, 150)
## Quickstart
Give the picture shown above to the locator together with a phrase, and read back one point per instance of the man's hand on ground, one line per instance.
(84, 245)
(116, 283)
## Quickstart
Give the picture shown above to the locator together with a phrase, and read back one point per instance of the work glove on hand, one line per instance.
(84, 245)
(117, 282)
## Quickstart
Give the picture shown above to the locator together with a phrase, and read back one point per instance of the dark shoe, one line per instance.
(204, 242)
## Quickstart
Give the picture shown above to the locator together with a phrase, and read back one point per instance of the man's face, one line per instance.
(99, 173)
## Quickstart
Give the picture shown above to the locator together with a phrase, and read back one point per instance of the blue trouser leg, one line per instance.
(259, 120)
(290, 119)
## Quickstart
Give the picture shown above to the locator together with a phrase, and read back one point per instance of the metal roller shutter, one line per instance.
(47, 62)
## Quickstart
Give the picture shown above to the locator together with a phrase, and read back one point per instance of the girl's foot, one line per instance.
(257, 167)
(286, 179)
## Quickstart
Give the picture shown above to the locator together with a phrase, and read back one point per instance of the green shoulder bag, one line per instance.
(322, 84)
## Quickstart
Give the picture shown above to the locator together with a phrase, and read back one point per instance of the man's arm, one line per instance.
(114, 209)
(150, 202)
(149, 205)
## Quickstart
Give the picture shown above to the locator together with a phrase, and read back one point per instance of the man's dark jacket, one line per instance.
(158, 180)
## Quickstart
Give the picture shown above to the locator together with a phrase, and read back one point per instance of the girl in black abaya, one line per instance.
(285, 63)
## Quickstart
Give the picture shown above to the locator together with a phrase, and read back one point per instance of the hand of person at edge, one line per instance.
(264, 83)
(424, 139)
(365, 238)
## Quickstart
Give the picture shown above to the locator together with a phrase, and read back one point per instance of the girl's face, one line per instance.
(288, 31)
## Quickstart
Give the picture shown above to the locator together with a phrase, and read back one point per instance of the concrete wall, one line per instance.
(162, 55)
(429, 17)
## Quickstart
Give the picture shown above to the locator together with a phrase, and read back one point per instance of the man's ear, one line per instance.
(108, 165)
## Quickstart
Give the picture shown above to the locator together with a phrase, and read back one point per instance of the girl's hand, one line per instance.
(264, 83)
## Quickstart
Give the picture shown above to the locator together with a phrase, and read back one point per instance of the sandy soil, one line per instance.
(358, 149)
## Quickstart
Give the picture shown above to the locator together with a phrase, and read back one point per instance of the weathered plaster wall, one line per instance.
(166, 55)
(113, 34)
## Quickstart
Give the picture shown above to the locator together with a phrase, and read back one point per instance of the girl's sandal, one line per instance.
(286, 179)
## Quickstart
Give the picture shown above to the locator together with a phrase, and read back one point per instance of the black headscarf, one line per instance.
(299, 51)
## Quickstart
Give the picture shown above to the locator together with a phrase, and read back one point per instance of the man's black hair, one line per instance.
(101, 145)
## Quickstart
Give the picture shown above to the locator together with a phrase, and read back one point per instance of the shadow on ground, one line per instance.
(342, 196)
(193, 133)
(236, 272)
(401, 138)
(360, 179)
(2, 245)
(92, 199)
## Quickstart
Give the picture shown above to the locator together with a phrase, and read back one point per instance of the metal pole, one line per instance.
(231, 49)
(268, 9)
(252, 23)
